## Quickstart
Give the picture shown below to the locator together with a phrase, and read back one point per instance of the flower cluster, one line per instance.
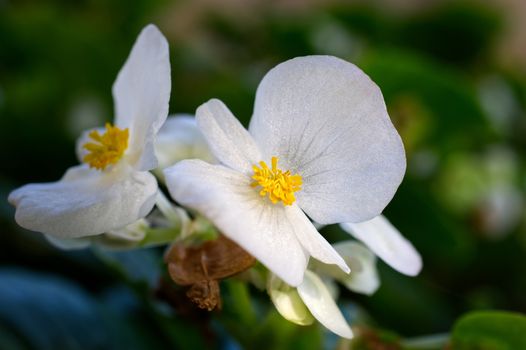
(320, 150)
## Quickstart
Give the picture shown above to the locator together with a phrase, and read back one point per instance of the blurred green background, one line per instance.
(453, 76)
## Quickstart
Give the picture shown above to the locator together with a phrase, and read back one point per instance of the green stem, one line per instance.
(159, 236)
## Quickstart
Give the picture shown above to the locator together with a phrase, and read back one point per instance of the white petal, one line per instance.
(125, 238)
(288, 302)
(178, 139)
(228, 139)
(387, 243)
(364, 275)
(225, 197)
(84, 202)
(141, 93)
(312, 241)
(318, 300)
(326, 120)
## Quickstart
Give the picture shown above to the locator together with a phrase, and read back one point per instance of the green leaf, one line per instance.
(490, 330)
(39, 311)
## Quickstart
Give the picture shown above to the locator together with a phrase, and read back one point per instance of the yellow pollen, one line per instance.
(278, 185)
(107, 148)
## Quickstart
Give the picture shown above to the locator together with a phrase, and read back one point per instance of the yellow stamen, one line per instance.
(278, 185)
(107, 148)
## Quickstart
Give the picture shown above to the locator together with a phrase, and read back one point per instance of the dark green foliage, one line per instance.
(489, 330)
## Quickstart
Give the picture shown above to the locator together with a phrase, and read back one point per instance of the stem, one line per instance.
(159, 236)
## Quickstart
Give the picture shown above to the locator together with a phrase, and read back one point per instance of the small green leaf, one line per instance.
(490, 330)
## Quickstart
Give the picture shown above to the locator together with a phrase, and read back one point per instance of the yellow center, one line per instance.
(106, 149)
(278, 185)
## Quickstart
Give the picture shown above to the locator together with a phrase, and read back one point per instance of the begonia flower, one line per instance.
(363, 278)
(320, 143)
(113, 188)
(178, 139)
(310, 300)
(315, 297)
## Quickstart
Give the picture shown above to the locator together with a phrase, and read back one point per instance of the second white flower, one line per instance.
(320, 144)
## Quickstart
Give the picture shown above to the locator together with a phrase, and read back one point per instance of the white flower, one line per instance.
(178, 139)
(315, 296)
(334, 155)
(310, 299)
(387, 243)
(364, 275)
(114, 188)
